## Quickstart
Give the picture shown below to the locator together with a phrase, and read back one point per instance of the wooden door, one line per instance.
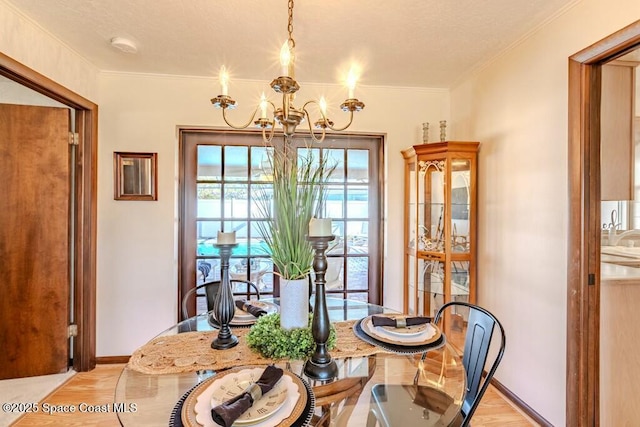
(34, 240)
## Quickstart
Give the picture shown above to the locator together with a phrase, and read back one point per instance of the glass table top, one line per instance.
(347, 400)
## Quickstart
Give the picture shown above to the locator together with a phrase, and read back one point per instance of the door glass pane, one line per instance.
(313, 153)
(240, 227)
(236, 163)
(358, 273)
(266, 280)
(358, 166)
(358, 237)
(209, 163)
(261, 201)
(334, 203)
(257, 245)
(358, 202)
(336, 247)
(208, 204)
(260, 164)
(206, 233)
(334, 275)
(207, 270)
(335, 157)
(235, 201)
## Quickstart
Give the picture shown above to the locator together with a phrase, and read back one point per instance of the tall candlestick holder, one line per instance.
(223, 305)
(320, 366)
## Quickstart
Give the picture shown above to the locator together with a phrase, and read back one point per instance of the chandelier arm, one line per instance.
(246, 125)
(313, 135)
(313, 101)
(336, 129)
(266, 138)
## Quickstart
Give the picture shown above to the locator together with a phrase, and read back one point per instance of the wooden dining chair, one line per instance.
(210, 291)
(397, 405)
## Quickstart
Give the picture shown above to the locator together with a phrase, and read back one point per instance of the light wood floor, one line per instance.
(98, 386)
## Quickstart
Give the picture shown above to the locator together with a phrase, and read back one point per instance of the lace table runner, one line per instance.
(191, 351)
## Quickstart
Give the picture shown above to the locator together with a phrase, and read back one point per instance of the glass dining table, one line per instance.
(151, 399)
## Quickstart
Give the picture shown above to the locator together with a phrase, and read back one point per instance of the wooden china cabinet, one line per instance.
(440, 228)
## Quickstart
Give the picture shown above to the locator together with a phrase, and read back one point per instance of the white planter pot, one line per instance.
(294, 303)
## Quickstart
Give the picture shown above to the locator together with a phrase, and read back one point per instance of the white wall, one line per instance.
(137, 241)
(26, 42)
(517, 107)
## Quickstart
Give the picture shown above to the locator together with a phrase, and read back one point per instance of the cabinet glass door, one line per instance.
(460, 281)
(460, 204)
(411, 285)
(433, 213)
(432, 292)
(412, 207)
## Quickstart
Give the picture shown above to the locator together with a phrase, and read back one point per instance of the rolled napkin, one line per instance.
(401, 322)
(250, 308)
(226, 413)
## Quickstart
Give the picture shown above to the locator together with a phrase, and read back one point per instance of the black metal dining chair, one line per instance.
(397, 405)
(210, 291)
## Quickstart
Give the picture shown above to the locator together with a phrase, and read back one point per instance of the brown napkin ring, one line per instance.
(400, 321)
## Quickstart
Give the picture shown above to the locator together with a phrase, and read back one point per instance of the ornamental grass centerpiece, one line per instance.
(298, 194)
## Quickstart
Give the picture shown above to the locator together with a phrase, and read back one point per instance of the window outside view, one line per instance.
(230, 182)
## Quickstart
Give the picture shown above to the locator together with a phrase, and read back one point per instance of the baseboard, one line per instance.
(110, 360)
(520, 404)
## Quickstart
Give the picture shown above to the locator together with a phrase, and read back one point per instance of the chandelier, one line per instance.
(288, 116)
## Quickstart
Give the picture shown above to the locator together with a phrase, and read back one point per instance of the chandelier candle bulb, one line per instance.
(323, 107)
(352, 79)
(320, 227)
(224, 81)
(285, 58)
(226, 238)
(263, 107)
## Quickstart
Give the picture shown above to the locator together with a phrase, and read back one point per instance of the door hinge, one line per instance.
(74, 138)
(73, 330)
(592, 279)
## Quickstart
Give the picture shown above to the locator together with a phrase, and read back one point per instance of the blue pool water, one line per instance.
(255, 248)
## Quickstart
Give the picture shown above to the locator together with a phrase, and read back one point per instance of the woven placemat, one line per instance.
(191, 351)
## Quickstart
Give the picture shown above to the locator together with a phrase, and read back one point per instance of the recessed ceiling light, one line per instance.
(124, 44)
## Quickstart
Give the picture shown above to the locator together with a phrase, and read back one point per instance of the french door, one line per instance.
(222, 173)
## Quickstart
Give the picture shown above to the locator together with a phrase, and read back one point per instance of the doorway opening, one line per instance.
(82, 204)
(584, 257)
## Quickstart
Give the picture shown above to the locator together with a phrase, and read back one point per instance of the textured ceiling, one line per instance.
(415, 43)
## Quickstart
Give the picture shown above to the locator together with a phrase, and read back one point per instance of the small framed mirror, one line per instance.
(135, 176)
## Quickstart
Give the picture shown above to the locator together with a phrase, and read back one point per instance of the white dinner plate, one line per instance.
(409, 331)
(430, 334)
(268, 411)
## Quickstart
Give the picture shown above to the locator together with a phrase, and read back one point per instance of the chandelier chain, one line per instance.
(292, 42)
